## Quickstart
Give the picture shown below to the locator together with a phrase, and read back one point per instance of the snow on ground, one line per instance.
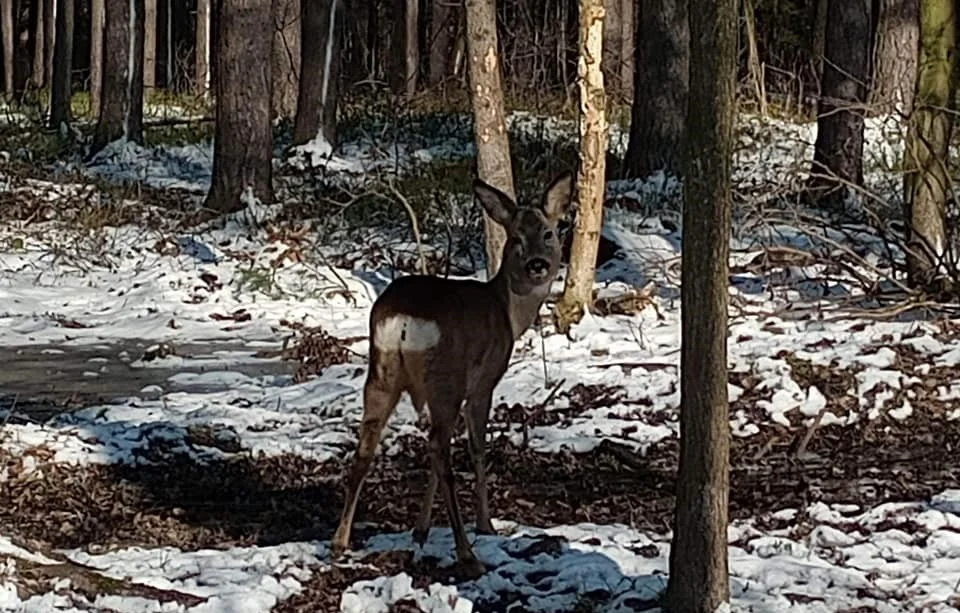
(231, 283)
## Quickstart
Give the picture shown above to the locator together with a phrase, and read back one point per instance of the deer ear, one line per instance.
(498, 205)
(558, 197)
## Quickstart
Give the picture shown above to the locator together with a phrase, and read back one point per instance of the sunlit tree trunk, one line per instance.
(489, 120)
(698, 581)
(927, 182)
(7, 22)
(97, 22)
(202, 61)
(895, 58)
(150, 45)
(591, 179)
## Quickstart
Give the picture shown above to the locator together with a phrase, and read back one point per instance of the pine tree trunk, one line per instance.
(60, 85)
(895, 59)
(39, 52)
(660, 89)
(628, 19)
(286, 57)
(489, 120)
(838, 151)
(591, 177)
(927, 182)
(7, 22)
(443, 29)
(49, 40)
(612, 46)
(243, 138)
(202, 46)
(25, 23)
(698, 581)
(150, 45)
(97, 24)
(411, 46)
(121, 106)
(321, 34)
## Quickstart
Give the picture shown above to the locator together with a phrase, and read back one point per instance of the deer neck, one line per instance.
(522, 310)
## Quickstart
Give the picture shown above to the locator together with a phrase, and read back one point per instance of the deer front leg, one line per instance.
(477, 414)
(440, 434)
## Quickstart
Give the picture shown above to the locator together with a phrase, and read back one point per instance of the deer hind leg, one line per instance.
(380, 397)
(441, 432)
(422, 528)
(476, 415)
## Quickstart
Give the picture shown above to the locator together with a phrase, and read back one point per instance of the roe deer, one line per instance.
(447, 343)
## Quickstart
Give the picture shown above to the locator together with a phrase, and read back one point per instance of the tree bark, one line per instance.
(39, 51)
(612, 46)
(895, 58)
(8, 23)
(838, 151)
(202, 52)
(321, 34)
(661, 84)
(25, 23)
(60, 84)
(97, 23)
(927, 182)
(49, 40)
(628, 19)
(489, 120)
(411, 46)
(698, 581)
(243, 138)
(591, 179)
(286, 57)
(150, 45)
(121, 106)
(443, 30)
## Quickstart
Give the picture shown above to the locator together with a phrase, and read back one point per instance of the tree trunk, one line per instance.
(612, 47)
(838, 151)
(121, 106)
(25, 22)
(60, 84)
(591, 179)
(628, 19)
(895, 58)
(698, 581)
(411, 46)
(321, 27)
(243, 138)
(286, 58)
(150, 45)
(39, 52)
(927, 182)
(489, 121)
(202, 52)
(443, 30)
(97, 23)
(49, 40)
(660, 89)
(7, 21)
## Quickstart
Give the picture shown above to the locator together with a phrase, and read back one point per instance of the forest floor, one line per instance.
(180, 390)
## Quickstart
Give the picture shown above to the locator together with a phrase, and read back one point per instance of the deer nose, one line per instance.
(538, 267)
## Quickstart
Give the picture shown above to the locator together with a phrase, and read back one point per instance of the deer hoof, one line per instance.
(471, 568)
(420, 535)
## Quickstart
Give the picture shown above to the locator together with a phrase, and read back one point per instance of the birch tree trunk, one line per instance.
(489, 121)
(591, 175)
(927, 182)
(699, 581)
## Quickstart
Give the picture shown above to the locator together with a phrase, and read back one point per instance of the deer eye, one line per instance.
(548, 235)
